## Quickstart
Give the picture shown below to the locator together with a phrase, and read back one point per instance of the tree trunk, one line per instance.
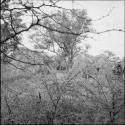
(112, 112)
(70, 62)
(70, 59)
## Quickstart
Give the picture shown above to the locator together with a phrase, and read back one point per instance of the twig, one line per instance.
(109, 30)
(100, 18)
(15, 66)
(8, 106)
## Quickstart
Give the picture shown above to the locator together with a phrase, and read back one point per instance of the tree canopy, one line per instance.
(67, 24)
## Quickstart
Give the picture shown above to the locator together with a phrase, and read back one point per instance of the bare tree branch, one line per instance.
(38, 24)
(109, 30)
(108, 14)
(15, 66)
(21, 60)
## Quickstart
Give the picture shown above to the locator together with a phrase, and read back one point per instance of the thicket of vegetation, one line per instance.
(70, 87)
(92, 93)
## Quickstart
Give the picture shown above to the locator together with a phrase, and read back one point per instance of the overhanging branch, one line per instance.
(109, 30)
(21, 60)
(38, 24)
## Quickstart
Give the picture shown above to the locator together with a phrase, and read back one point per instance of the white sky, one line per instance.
(112, 41)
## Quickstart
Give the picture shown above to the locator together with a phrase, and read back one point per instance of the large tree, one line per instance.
(75, 21)
(12, 27)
